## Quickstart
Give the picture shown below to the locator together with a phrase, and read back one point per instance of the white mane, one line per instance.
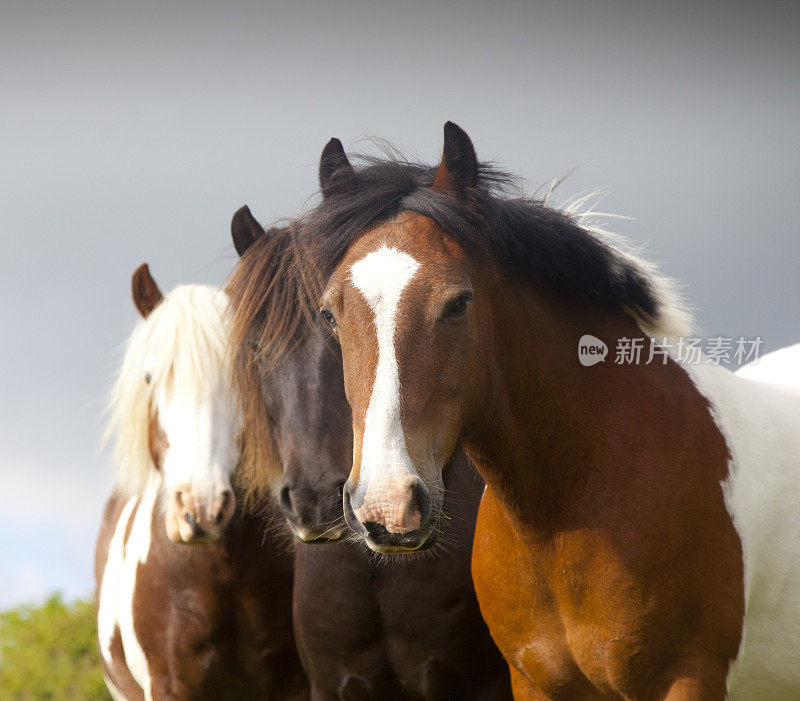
(674, 317)
(181, 346)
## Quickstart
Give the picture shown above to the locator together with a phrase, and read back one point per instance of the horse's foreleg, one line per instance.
(167, 688)
(709, 687)
(523, 688)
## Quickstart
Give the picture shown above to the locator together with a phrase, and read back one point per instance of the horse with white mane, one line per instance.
(210, 621)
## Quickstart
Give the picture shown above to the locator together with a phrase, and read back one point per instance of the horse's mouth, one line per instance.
(318, 536)
(412, 543)
(199, 537)
(201, 540)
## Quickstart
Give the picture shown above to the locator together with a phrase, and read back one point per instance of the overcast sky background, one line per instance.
(133, 133)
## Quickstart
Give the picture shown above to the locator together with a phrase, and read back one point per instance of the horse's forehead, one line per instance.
(410, 236)
(185, 396)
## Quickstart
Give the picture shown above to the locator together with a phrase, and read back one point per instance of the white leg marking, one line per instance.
(381, 276)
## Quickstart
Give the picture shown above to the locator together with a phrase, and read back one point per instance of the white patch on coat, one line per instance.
(110, 583)
(118, 587)
(781, 367)
(116, 692)
(386, 468)
(761, 425)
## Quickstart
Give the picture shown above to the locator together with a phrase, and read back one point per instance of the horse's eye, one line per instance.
(458, 307)
(329, 318)
(148, 378)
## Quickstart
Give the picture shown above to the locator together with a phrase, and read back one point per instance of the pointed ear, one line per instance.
(336, 175)
(459, 166)
(146, 294)
(245, 229)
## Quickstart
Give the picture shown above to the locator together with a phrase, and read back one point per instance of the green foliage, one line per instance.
(50, 652)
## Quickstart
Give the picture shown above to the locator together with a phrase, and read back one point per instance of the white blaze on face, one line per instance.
(386, 473)
(203, 450)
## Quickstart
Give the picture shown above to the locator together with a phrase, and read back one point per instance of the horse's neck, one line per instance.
(258, 537)
(557, 436)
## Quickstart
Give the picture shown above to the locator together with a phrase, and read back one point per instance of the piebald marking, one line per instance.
(119, 584)
(110, 584)
(761, 425)
(386, 473)
(781, 367)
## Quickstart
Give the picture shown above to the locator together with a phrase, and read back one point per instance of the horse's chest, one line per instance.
(118, 633)
(561, 629)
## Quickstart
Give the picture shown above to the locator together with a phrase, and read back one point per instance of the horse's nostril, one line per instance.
(376, 531)
(285, 499)
(218, 518)
(189, 519)
(420, 500)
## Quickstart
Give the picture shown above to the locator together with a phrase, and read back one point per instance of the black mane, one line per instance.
(532, 242)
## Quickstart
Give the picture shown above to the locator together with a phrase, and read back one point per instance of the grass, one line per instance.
(50, 652)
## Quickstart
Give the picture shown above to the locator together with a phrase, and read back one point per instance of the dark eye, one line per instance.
(148, 378)
(457, 307)
(328, 318)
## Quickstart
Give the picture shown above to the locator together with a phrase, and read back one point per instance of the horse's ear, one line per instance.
(146, 294)
(459, 166)
(245, 229)
(336, 175)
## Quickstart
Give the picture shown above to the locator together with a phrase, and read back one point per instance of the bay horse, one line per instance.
(639, 537)
(206, 621)
(366, 629)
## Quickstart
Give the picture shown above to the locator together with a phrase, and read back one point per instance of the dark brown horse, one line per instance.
(365, 629)
(207, 621)
(640, 531)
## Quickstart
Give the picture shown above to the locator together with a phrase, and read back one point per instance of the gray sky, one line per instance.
(133, 133)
